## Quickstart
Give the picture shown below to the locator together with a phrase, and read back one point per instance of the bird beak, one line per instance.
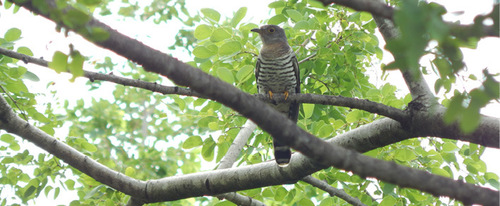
(256, 30)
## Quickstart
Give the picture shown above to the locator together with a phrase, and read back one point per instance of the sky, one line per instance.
(40, 36)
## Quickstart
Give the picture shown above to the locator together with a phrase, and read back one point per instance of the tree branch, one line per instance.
(355, 103)
(381, 132)
(92, 76)
(332, 190)
(228, 160)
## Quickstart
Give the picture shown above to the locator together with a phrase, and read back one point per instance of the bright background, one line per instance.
(40, 36)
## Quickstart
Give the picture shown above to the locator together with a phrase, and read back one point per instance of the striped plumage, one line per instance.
(277, 71)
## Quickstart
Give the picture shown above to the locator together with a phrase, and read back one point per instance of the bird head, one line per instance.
(270, 34)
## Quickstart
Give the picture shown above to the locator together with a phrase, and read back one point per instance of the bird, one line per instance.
(277, 71)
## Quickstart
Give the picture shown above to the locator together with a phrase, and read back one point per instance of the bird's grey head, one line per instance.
(270, 34)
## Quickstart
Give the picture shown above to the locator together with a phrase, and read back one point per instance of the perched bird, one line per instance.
(277, 71)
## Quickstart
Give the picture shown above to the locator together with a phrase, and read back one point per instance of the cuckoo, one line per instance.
(277, 71)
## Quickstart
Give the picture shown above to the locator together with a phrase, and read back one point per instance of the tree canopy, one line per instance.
(196, 132)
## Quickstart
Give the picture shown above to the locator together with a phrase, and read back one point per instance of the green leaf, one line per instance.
(238, 16)
(327, 202)
(76, 65)
(98, 34)
(207, 151)
(244, 73)
(89, 147)
(280, 194)
(211, 14)
(450, 147)
(130, 171)
(442, 172)
(277, 4)
(454, 109)
(294, 15)
(7, 138)
(471, 122)
(191, 142)
(70, 184)
(12, 34)
(225, 203)
(225, 74)
(353, 116)
(278, 19)
(305, 202)
(405, 155)
(75, 18)
(388, 201)
(59, 62)
(203, 52)
(31, 76)
(308, 110)
(230, 48)
(325, 130)
(25, 50)
(219, 34)
(203, 31)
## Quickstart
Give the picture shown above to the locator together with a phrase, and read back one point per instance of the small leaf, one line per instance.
(31, 76)
(12, 34)
(202, 52)
(308, 110)
(211, 14)
(207, 151)
(238, 16)
(230, 48)
(244, 73)
(225, 74)
(89, 147)
(59, 62)
(280, 194)
(405, 155)
(219, 34)
(98, 34)
(7, 138)
(278, 19)
(130, 171)
(203, 31)
(70, 184)
(25, 50)
(76, 65)
(294, 15)
(193, 141)
(353, 116)
(388, 201)
(277, 4)
(442, 172)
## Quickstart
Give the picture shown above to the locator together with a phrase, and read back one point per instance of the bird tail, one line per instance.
(282, 153)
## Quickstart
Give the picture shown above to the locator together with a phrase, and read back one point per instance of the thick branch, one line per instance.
(332, 190)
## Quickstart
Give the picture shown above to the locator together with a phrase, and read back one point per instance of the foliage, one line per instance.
(149, 136)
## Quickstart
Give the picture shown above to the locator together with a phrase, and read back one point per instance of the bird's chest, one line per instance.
(277, 75)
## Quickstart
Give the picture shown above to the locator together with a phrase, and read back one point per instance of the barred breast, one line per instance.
(278, 74)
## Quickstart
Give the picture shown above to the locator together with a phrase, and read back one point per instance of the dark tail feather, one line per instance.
(282, 154)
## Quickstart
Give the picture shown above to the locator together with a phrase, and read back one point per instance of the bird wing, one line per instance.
(257, 68)
(293, 114)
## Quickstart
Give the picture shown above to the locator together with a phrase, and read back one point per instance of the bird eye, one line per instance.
(271, 30)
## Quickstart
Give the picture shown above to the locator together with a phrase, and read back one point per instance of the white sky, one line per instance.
(40, 36)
